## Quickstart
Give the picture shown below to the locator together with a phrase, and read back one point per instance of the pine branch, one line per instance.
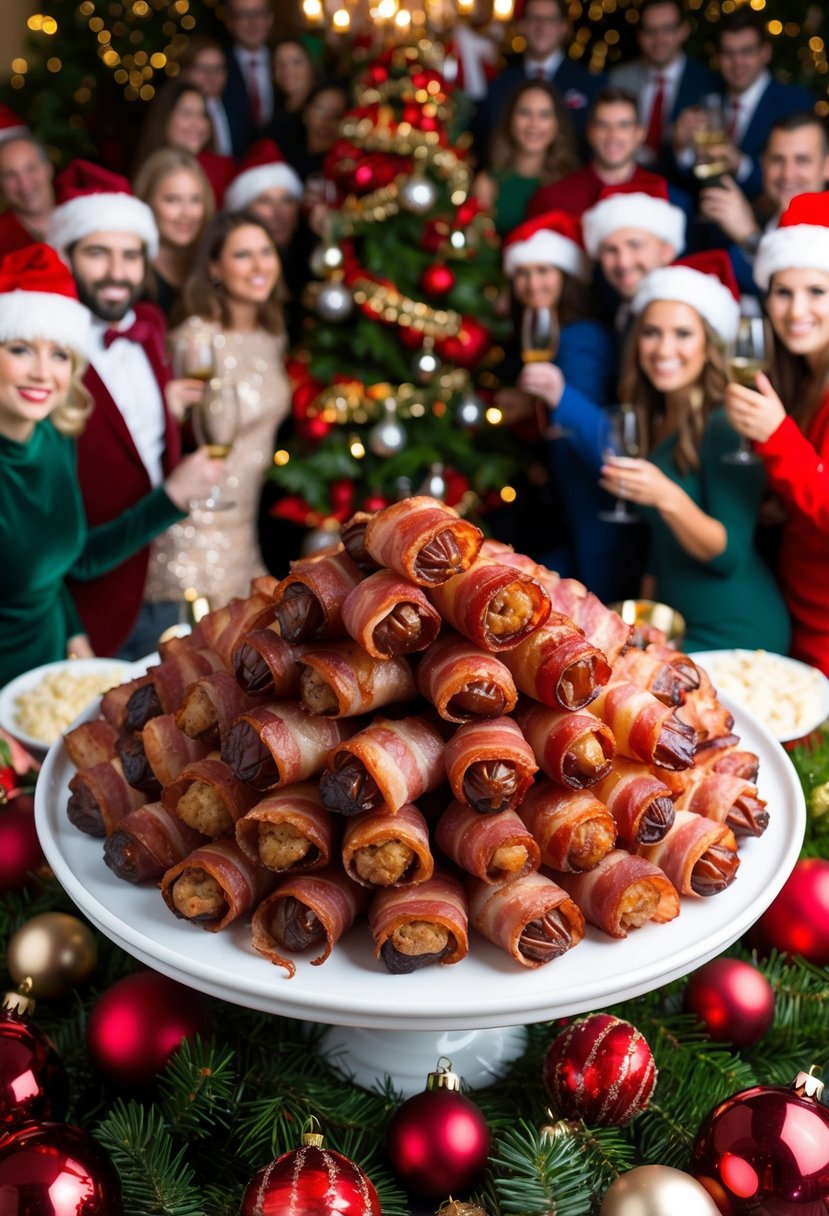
(197, 1088)
(156, 1179)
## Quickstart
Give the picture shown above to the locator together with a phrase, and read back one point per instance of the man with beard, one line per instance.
(132, 441)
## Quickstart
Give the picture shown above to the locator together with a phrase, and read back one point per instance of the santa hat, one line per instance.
(38, 300)
(262, 169)
(551, 239)
(634, 206)
(91, 199)
(799, 242)
(703, 280)
(11, 125)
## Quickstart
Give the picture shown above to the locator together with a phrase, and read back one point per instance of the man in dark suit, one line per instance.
(26, 188)
(248, 95)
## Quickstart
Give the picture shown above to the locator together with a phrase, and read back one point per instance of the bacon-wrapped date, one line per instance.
(91, 743)
(388, 764)
(729, 759)
(668, 674)
(100, 797)
(353, 536)
(490, 765)
(574, 830)
(207, 796)
(279, 744)
(725, 798)
(575, 749)
(532, 918)
(622, 893)
(390, 615)
(308, 602)
(383, 850)
(413, 927)
(147, 842)
(558, 666)
(495, 606)
(264, 664)
(702, 711)
(492, 847)
(168, 749)
(698, 855)
(168, 682)
(215, 885)
(115, 700)
(222, 628)
(602, 626)
(209, 706)
(644, 728)
(639, 801)
(464, 682)
(289, 830)
(423, 540)
(339, 680)
(137, 768)
(305, 911)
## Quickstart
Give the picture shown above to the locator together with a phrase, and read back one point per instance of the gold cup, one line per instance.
(656, 615)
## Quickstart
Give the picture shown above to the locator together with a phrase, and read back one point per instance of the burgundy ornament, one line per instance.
(437, 280)
(20, 851)
(54, 1169)
(797, 921)
(311, 1181)
(466, 348)
(33, 1081)
(600, 1069)
(733, 1000)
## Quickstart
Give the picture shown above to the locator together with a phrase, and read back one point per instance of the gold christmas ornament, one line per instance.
(57, 951)
(454, 1207)
(657, 1190)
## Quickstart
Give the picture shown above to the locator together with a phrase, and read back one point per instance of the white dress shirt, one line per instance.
(747, 102)
(264, 76)
(222, 142)
(548, 66)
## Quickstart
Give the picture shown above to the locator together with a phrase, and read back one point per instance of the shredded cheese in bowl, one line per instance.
(44, 711)
(789, 697)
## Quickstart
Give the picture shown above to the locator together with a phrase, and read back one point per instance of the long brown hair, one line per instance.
(561, 157)
(800, 387)
(154, 130)
(201, 297)
(636, 388)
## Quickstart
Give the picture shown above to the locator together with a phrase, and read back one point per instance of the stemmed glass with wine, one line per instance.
(194, 356)
(746, 357)
(539, 344)
(216, 420)
(623, 438)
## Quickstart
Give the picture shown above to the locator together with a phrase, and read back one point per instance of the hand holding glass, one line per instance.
(216, 425)
(539, 344)
(194, 357)
(623, 439)
(709, 141)
(746, 358)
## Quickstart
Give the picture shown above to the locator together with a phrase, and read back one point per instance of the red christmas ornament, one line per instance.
(765, 1151)
(20, 851)
(438, 1141)
(797, 922)
(600, 1069)
(33, 1081)
(411, 113)
(437, 280)
(136, 1025)
(54, 1169)
(314, 429)
(374, 502)
(468, 347)
(311, 1181)
(733, 1000)
(410, 337)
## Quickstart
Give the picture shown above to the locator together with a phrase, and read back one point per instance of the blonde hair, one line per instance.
(71, 415)
(163, 163)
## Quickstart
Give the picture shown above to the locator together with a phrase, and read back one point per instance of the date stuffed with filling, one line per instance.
(100, 797)
(644, 728)
(414, 927)
(353, 536)
(279, 744)
(575, 749)
(558, 666)
(137, 769)
(490, 765)
(166, 686)
(668, 674)
(531, 918)
(222, 628)
(209, 706)
(639, 801)
(388, 764)
(623, 892)
(702, 711)
(306, 912)
(339, 680)
(698, 855)
(725, 798)
(422, 539)
(601, 625)
(215, 885)
(114, 702)
(264, 664)
(464, 682)
(492, 847)
(91, 743)
(574, 830)
(383, 850)
(308, 603)
(289, 830)
(494, 606)
(207, 796)
(147, 842)
(390, 615)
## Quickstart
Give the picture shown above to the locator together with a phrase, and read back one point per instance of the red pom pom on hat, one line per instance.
(38, 300)
(799, 242)
(628, 205)
(551, 239)
(91, 199)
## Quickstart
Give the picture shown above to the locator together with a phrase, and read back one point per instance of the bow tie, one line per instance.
(138, 332)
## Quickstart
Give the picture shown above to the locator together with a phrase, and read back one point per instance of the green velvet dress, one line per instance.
(45, 539)
(514, 194)
(732, 600)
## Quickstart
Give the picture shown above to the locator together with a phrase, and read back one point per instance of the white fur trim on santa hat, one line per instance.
(547, 248)
(104, 212)
(253, 182)
(798, 247)
(639, 210)
(30, 315)
(704, 292)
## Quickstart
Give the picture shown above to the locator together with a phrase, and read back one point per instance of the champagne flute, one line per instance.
(194, 357)
(746, 358)
(539, 344)
(216, 425)
(708, 165)
(623, 439)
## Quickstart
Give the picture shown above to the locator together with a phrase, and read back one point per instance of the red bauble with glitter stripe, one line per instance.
(600, 1069)
(311, 1181)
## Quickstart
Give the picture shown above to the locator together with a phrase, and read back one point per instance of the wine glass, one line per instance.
(747, 357)
(709, 163)
(194, 357)
(623, 439)
(216, 425)
(539, 344)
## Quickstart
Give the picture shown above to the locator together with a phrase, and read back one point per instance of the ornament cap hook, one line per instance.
(806, 1085)
(21, 1001)
(443, 1077)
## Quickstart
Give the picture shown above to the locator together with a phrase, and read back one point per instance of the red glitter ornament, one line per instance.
(438, 1141)
(54, 1169)
(137, 1024)
(765, 1151)
(600, 1069)
(311, 1181)
(797, 921)
(20, 851)
(467, 347)
(733, 1000)
(437, 280)
(33, 1081)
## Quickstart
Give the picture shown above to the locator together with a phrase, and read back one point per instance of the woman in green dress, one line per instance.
(701, 509)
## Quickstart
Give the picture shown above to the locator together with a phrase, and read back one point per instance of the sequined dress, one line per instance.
(217, 553)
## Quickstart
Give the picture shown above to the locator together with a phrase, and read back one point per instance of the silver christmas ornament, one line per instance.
(326, 259)
(388, 436)
(318, 539)
(434, 484)
(469, 411)
(402, 488)
(334, 302)
(418, 194)
(426, 364)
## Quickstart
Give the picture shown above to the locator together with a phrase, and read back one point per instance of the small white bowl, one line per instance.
(121, 670)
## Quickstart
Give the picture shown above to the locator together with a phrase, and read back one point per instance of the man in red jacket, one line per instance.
(26, 187)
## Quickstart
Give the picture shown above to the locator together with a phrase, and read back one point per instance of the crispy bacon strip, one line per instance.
(490, 765)
(602, 626)
(168, 749)
(622, 893)
(575, 749)
(280, 744)
(99, 798)
(115, 700)
(413, 927)
(147, 842)
(289, 830)
(639, 801)
(645, 729)
(222, 628)
(390, 615)
(207, 796)
(668, 674)
(340, 680)
(698, 855)
(215, 885)
(306, 910)
(209, 706)
(422, 539)
(727, 799)
(729, 759)
(703, 712)
(558, 666)
(383, 850)
(573, 828)
(353, 536)
(264, 664)
(492, 847)
(532, 918)
(388, 764)
(308, 602)
(91, 743)
(168, 682)
(495, 606)
(464, 682)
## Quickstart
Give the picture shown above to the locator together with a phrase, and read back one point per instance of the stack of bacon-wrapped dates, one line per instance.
(428, 728)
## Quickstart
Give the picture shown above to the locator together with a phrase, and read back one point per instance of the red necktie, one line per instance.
(540, 74)
(254, 95)
(654, 136)
(733, 120)
(138, 332)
